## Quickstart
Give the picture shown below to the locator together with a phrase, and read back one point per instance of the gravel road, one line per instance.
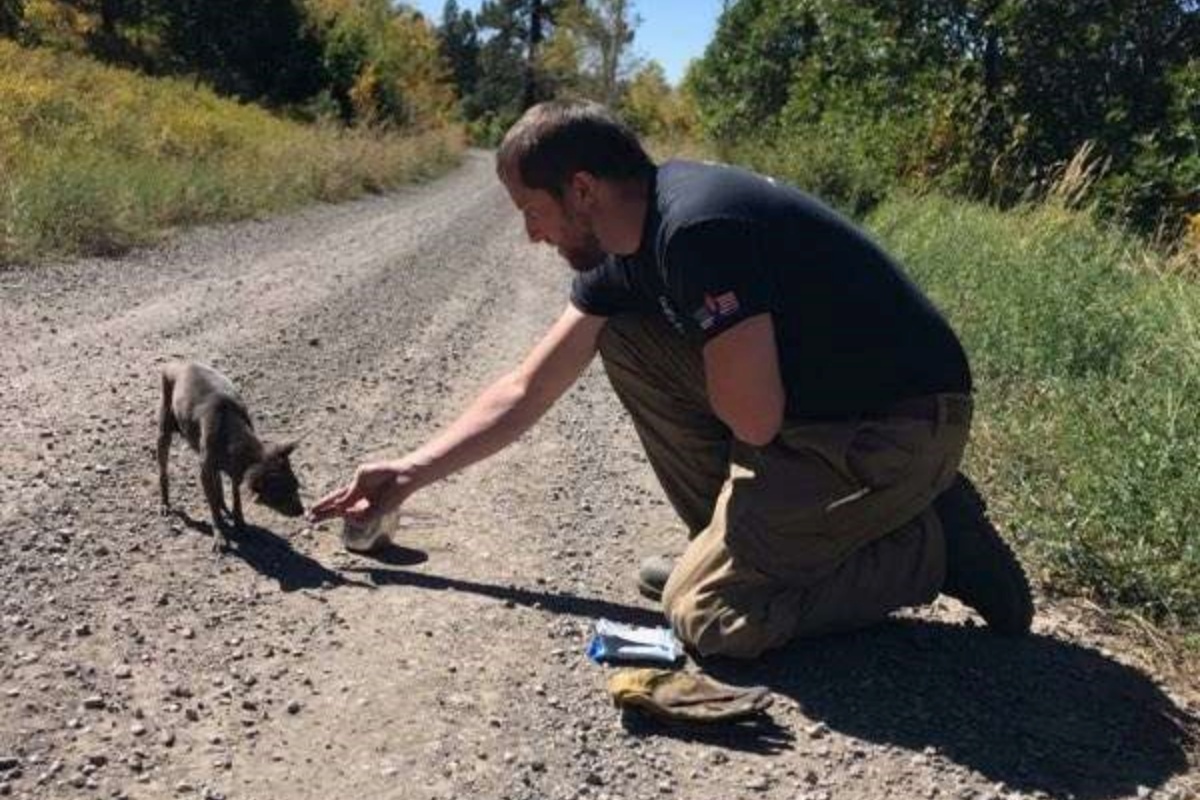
(134, 664)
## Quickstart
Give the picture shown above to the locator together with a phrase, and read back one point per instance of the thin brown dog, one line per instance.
(203, 406)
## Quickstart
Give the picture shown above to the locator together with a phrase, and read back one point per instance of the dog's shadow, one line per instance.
(1038, 714)
(273, 556)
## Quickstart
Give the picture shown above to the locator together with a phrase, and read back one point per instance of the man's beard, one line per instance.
(587, 254)
(584, 257)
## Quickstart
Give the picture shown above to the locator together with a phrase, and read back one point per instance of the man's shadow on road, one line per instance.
(1036, 713)
(761, 735)
(553, 602)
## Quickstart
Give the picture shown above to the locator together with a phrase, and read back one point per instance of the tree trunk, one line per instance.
(530, 94)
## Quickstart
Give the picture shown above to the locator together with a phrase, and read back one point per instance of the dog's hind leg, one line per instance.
(166, 428)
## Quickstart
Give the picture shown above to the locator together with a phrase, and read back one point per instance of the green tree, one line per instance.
(590, 54)
(657, 110)
(11, 14)
(512, 34)
(531, 89)
(561, 58)
(611, 32)
(262, 50)
(119, 28)
(991, 96)
(744, 78)
(383, 63)
(647, 99)
(500, 88)
(458, 41)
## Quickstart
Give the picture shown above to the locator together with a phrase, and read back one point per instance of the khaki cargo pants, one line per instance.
(829, 527)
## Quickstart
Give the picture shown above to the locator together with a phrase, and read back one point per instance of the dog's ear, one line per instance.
(286, 449)
(253, 479)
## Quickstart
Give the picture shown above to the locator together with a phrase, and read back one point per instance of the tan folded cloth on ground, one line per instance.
(684, 696)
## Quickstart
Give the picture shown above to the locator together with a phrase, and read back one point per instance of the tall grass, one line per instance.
(1086, 351)
(95, 159)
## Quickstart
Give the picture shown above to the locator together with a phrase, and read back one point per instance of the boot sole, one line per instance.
(648, 591)
(1012, 615)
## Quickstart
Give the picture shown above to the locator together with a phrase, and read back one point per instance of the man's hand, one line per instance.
(376, 489)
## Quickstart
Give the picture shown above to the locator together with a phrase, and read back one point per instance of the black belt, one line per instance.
(928, 408)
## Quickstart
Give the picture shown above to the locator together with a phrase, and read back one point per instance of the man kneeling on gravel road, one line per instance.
(804, 406)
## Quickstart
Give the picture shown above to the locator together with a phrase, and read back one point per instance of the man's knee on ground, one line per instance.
(710, 627)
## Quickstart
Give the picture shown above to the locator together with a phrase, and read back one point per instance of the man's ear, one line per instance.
(582, 188)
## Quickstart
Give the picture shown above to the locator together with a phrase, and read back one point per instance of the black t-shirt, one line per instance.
(721, 244)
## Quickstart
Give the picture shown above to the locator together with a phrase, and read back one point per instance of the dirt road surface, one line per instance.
(134, 664)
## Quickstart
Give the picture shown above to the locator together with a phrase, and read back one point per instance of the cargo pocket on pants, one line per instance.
(786, 510)
(882, 454)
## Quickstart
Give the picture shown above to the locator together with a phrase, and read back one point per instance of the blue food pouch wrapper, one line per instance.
(617, 642)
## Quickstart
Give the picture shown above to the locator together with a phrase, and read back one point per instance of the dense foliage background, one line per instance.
(987, 98)
(358, 60)
(991, 98)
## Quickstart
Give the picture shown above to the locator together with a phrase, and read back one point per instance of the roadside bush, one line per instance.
(841, 165)
(1087, 362)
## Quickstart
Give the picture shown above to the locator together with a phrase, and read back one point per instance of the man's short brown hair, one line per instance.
(554, 140)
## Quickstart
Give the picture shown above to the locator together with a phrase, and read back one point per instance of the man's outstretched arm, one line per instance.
(497, 417)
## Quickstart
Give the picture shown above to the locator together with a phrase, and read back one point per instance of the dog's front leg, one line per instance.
(210, 479)
(238, 520)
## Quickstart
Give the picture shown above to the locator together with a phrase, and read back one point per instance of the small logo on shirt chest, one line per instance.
(670, 313)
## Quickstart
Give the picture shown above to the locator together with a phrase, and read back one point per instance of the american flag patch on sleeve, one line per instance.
(716, 308)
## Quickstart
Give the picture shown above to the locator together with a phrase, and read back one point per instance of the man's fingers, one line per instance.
(322, 513)
(334, 503)
(330, 500)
